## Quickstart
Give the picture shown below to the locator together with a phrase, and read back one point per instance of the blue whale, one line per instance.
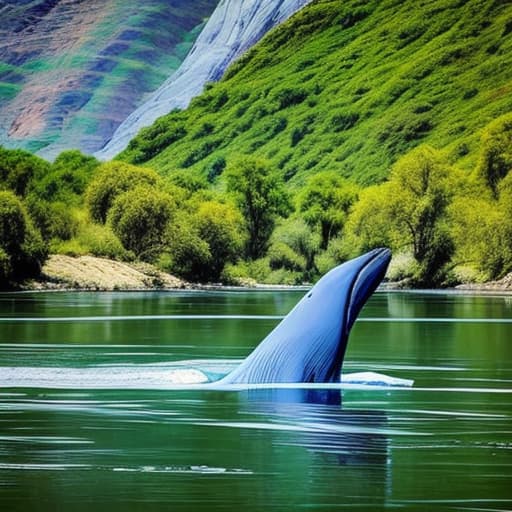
(310, 342)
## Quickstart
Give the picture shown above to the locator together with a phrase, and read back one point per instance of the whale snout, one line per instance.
(370, 271)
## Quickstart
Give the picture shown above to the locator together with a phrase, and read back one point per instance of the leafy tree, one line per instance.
(67, 178)
(479, 230)
(18, 168)
(111, 180)
(54, 220)
(139, 217)
(187, 254)
(420, 189)
(261, 195)
(496, 152)
(221, 227)
(294, 247)
(22, 251)
(325, 203)
(368, 224)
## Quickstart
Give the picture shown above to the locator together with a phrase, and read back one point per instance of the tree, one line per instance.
(220, 226)
(420, 189)
(111, 180)
(139, 217)
(22, 251)
(293, 247)
(325, 203)
(67, 179)
(368, 224)
(18, 168)
(496, 152)
(261, 196)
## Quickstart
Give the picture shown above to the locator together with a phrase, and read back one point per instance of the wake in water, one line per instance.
(192, 374)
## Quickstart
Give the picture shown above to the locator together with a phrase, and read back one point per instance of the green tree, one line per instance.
(294, 247)
(261, 196)
(18, 168)
(420, 189)
(22, 251)
(111, 180)
(139, 217)
(368, 224)
(325, 203)
(496, 152)
(67, 179)
(479, 229)
(221, 227)
(187, 254)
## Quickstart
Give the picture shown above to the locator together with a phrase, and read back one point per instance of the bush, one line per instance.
(23, 250)
(221, 227)
(67, 179)
(187, 255)
(54, 220)
(18, 168)
(496, 152)
(99, 240)
(139, 217)
(112, 179)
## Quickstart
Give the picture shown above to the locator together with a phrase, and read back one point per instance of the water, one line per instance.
(93, 415)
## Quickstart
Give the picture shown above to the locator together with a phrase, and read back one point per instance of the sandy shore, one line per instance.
(91, 273)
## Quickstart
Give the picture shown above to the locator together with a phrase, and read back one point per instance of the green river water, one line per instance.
(95, 414)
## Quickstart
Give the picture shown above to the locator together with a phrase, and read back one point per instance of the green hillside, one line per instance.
(349, 87)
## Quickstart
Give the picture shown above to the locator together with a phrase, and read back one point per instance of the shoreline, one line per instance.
(90, 273)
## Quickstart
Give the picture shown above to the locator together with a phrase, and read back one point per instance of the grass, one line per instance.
(349, 86)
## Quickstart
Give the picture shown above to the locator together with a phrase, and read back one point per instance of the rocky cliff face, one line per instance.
(72, 70)
(234, 27)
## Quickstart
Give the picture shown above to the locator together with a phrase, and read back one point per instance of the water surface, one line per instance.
(89, 418)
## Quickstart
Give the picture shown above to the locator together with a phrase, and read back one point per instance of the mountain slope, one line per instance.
(72, 70)
(348, 86)
(233, 28)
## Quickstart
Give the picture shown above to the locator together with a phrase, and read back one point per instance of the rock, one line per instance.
(66, 63)
(234, 27)
(92, 273)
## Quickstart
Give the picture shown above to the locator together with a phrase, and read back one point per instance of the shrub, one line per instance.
(496, 152)
(18, 168)
(23, 250)
(67, 178)
(221, 227)
(139, 217)
(112, 179)
(187, 254)
(54, 220)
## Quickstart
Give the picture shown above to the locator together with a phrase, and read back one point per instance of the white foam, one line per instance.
(375, 379)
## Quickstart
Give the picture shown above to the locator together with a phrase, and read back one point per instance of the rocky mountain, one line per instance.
(234, 27)
(72, 70)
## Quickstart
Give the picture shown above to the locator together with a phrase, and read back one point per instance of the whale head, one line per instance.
(310, 342)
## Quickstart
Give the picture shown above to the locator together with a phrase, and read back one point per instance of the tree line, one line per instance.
(444, 226)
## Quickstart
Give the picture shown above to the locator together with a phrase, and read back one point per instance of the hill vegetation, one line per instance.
(352, 126)
(348, 87)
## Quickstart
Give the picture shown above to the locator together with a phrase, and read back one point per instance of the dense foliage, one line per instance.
(348, 87)
(346, 129)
